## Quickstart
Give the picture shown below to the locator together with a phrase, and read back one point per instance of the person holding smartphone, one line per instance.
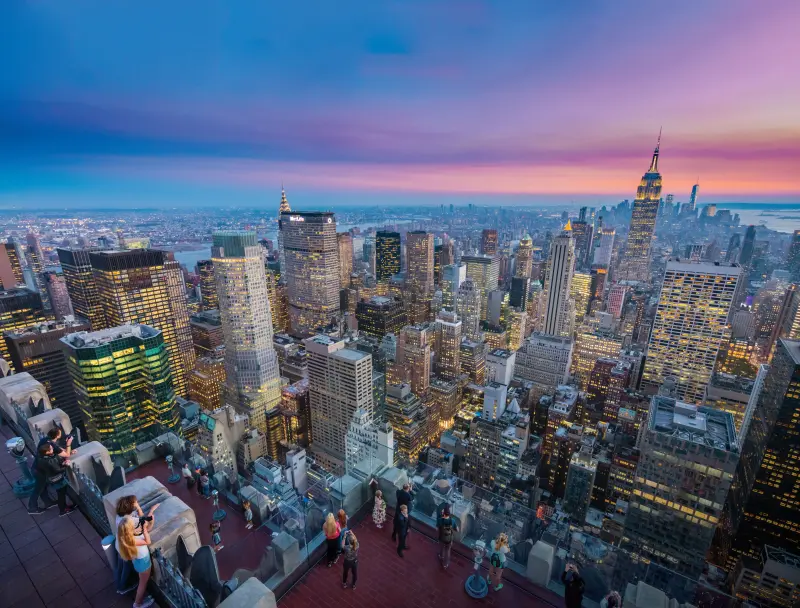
(573, 585)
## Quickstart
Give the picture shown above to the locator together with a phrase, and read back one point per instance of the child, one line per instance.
(215, 537)
(248, 514)
(379, 510)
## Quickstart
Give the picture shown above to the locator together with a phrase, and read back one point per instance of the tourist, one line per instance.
(40, 489)
(341, 518)
(401, 529)
(248, 514)
(379, 510)
(54, 469)
(331, 529)
(350, 558)
(188, 476)
(497, 560)
(216, 538)
(205, 484)
(404, 497)
(128, 507)
(134, 548)
(612, 600)
(447, 526)
(197, 473)
(573, 586)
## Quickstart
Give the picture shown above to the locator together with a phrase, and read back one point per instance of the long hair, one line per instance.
(501, 541)
(127, 542)
(342, 517)
(353, 541)
(329, 527)
(126, 505)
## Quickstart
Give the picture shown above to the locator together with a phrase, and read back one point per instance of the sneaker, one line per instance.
(344, 585)
(146, 603)
(67, 511)
(330, 564)
(354, 587)
(128, 590)
(336, 561)
(37, 512)
(500, 586)
(50, 505)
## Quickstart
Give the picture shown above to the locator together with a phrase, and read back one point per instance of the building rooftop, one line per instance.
(793, 348)
(92, 339)
(501, 353)
(730, 382)
(702, 425)
(47, 327)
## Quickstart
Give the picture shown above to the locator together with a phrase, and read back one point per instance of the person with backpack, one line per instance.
(447, 526)
(497, 560)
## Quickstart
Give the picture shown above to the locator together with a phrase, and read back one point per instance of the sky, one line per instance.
(196, 103)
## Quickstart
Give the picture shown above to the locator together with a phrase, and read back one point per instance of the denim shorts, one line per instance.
(141, 564)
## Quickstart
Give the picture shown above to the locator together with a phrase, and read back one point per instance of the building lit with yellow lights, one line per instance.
(581, 293)
(589, 347)
(19, 309)
(206, 382)
(690, 326)
(447, 345)
(387, 256)
(406, 415)
(123, 381)
(345, 244)
(81, 286)
(208, 284)
(484, 272)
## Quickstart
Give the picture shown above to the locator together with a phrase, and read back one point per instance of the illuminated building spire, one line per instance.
(284, 203)
(654, 163)
(568, 227)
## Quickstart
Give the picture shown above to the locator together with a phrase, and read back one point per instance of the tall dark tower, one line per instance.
(746, 256)
(636, 262)
(793, 257)
(387, 255)
(692, 206)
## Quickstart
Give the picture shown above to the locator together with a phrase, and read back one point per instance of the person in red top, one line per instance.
(332, 530)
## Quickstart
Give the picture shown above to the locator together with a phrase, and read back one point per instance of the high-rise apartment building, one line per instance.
(37, 350)
(57, 294)
(208, 284)
(689, 327)
(544, 359)
(340, 382)
(145, 286)
(473, 360)
(345, 243)
(489, 242)
(524, 266)
(10, 270)
(419, 261)
(447, 345)
(559, 309)
(123, 382)
(252, 385)
(688, 457)
(468, 307)
(19, 309)
(483, 271)
(413, 359)
(387, 245)
(81, 286)
(311, 250)
(635, 265)
(380, 315)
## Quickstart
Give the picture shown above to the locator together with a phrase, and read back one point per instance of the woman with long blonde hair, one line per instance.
(497, 560)
(332, 529)
(134, 548)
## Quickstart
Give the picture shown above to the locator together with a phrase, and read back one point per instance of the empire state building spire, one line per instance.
(654, 163)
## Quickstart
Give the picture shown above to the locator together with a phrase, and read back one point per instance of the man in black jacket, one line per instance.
(401, 527)
(40, 490)
(54, 468)
(404, 497)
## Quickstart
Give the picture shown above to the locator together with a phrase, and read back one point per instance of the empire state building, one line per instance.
(635, 265)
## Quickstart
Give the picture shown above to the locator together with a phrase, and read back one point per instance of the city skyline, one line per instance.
(396, 104)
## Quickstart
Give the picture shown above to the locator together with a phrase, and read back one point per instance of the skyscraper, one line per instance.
(583, 234)
(387, 255)
(688, 457)
(19, 309)
(605, 246)
(340, 383)
(524, 267)
(413, 359)
(489, 242)
(145, 286)
(81, 286)
(483, 271)
(419, 261)
(448, 345)
(208, 284)
(312, 269)
(691, 206)
(453, 275)
(468, 307)
(252, 385)
(37, 350)
(689, 326)
(57, 293)
(636, 262)
(284, 208)
(559, 308)
(748, 247)
(793, 257)
(10, 269)
(345, 242)
(124, 386)
(380, 315)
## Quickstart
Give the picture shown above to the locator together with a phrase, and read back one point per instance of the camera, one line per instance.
(15, 446)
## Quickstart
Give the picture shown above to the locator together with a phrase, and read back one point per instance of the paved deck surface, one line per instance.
(415, 581)
(49, 560)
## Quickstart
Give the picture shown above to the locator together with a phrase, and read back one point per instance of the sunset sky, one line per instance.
(124, 103)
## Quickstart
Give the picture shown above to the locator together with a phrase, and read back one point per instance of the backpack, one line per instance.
(446, 534)
(495, 560)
